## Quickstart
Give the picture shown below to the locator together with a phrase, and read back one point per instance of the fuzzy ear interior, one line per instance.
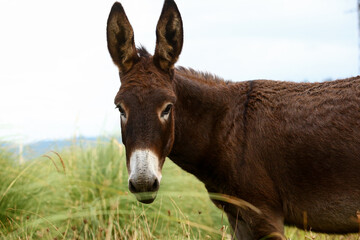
(120, 39)
(169, 37)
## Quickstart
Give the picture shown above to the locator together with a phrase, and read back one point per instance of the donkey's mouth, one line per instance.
(146, 197)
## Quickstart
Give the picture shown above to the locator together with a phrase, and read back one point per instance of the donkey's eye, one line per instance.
(166, 110)
(122, 111)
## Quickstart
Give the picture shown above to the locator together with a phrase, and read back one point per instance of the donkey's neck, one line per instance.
(209, 114)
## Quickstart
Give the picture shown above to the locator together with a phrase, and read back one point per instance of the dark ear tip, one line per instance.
(117, 7)
(170, 4)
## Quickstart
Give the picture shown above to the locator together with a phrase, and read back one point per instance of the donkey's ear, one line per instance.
(169, 36)
(120, 39)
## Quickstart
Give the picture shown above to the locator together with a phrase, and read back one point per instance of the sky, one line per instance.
(57, 79)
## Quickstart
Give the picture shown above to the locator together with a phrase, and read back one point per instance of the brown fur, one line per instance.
(292, 150)
(287, 148)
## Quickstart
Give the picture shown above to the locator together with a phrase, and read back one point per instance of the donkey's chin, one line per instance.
(146, 197)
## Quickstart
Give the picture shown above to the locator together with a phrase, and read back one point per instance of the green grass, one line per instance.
(81, 193)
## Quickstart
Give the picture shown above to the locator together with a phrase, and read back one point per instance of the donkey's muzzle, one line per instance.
(148, 186)
(145, 176)
(144, 191)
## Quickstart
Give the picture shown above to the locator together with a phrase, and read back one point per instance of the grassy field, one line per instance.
(81, 193)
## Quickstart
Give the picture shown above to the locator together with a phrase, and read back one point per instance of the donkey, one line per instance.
(289, 150)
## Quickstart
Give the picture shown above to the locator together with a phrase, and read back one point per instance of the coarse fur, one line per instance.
(291, 150)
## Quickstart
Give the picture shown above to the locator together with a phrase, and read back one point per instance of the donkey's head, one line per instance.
(146, 96)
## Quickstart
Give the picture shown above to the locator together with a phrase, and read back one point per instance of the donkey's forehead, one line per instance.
(145, 82)
(145, 73)
(143, 94)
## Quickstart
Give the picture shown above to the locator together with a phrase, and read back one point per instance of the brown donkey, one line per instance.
(291, 150)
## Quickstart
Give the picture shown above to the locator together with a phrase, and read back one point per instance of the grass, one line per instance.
(81, 193)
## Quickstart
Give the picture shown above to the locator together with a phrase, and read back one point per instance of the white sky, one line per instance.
(57, 78)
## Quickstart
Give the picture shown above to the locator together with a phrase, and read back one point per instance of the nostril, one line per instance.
(132, 187)
(155, 185)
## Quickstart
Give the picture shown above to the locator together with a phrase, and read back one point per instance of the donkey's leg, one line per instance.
(241, 230)
(266, 225)
(250, 225)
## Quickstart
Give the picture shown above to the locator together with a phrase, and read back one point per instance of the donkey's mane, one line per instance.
(142, 51)
(203, 77)
(199, 76)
